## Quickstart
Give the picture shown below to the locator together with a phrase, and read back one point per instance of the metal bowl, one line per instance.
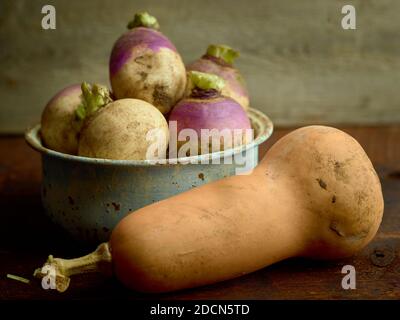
(88, 197)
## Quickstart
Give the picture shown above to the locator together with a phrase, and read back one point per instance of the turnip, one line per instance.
(206, 109)
(122, 131)
(63, 115)
(145, 65)
(219, 60)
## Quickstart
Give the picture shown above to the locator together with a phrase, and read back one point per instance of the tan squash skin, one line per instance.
(314, 194)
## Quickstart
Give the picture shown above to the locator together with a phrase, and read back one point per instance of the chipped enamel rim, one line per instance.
(259, 121)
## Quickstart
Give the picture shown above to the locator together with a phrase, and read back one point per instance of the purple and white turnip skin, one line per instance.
(145, 65)
(206, 108)
(219, 60)
(64, 114)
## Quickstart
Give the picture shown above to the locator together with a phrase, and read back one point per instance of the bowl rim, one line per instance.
(264, 123)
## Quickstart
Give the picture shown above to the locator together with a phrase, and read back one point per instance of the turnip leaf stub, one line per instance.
(144, 19)
(93, 98)
(206, 81)
(224, 52)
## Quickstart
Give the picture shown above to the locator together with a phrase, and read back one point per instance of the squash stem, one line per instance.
(56, 272)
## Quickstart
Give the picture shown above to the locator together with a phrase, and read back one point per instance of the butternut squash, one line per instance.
(315, 194)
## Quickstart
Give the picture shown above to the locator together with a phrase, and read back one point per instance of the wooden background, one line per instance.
(301, 66)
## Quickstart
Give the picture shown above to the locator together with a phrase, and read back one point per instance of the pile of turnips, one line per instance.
(151, 88)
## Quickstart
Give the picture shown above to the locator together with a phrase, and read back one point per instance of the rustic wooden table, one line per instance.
(27, 237)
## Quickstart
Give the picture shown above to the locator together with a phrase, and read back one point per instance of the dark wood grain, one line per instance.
(27, 237)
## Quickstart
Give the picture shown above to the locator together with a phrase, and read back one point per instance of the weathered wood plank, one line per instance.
(301, 66)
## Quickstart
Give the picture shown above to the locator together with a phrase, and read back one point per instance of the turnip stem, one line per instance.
(226, 53)
(206, 81)
(143, 19)
(94, 97)
(97, 261)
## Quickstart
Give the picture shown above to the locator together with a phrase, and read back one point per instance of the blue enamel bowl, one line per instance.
(88, 197)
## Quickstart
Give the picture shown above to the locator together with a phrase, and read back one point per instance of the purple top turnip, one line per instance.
(219, 60)
(145, 65)
(207, 109)
(63, 115)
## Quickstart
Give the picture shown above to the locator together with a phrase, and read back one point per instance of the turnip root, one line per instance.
(207, 109)
(63, 115)
(219, 60)
(315, 194)
(145, 65)
(119, 131)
